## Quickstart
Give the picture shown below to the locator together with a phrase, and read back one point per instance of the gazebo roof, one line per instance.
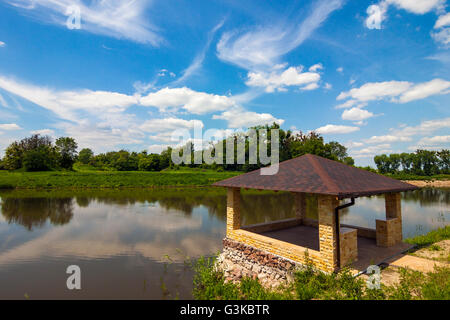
(313, 174)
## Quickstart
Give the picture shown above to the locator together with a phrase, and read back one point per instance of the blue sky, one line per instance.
(373, 75)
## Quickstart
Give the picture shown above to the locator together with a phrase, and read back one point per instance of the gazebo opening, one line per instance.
(336, 186)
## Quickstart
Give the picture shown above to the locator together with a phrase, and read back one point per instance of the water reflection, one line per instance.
(34, 212)
(130, 243)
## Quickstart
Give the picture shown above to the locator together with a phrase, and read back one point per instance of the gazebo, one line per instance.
(330, 245)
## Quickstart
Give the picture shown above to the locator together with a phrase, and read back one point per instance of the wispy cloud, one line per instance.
(200, 57)
(264, 45)
(68, 104)
(336, 129)
(9, 126)
(119, 19)
(2, 44)
(394, 91)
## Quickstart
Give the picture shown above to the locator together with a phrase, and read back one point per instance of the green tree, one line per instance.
(383, 163)
(394, 161)
(38, 159)
(15, 153)
(150, 163)
(67, 150)
(85, 156)
(406, 161)
(444, 161)
(13, 156)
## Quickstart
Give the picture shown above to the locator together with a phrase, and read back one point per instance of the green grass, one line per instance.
(110, 179)
(308, 284)
(407, 176)
(431, 237)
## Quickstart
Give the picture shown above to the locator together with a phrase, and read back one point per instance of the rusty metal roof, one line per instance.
(313, 174)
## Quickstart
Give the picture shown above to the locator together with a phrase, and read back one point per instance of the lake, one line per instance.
(136, 243)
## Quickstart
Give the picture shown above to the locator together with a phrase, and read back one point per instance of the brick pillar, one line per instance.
(393, 205)
(233, 209)
(389, 231)
(327, 232)
(299, 205)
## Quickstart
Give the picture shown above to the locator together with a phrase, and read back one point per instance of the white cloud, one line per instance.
(292, 76)
(309, 87)
(44, 132)
(169, 124)
(424, 128)
(264, 45)
(245, 119)
(336, 129)
(442, 36)
(443, 21)
(340, 69)
(9, 126)
(3, 102)
(118, 19)
(377, 12)
(426, 89)
(316, 67)
(376, 91)
(356, 114)
(394, 91)
(417, 6)
(371, 151)
(351, 103)
(327, 86)
(158, 148)
(193, 101)
(434, 140)
(66, 103)
(353, 144)
(387, 138)
(2, 44)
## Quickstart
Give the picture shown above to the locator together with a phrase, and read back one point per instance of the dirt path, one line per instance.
(430, 183)
(423, 260)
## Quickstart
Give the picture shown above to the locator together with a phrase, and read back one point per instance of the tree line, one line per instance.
(420, 162)
(39, 153)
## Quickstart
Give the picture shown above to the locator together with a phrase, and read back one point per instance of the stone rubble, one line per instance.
(238, 260)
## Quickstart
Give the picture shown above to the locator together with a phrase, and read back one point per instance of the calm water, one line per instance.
(133, 244)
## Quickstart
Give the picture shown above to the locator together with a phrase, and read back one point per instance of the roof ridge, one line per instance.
(323, 174)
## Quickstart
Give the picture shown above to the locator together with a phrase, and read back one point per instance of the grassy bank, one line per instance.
(307, 284)
(431, 237)
(407, 176)
(310, 284)
(109, 179)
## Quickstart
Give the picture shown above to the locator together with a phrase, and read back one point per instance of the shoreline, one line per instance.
(429, 183)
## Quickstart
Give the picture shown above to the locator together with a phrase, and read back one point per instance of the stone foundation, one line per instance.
(239, 260)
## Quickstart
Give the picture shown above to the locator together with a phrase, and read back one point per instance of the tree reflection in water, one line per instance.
(33, 208)
(34, 212)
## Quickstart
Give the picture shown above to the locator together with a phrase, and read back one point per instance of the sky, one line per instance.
(124, 74)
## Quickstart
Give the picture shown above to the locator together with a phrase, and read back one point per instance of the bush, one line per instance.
(37, 160)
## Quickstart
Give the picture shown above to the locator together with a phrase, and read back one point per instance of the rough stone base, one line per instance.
(239, 260)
